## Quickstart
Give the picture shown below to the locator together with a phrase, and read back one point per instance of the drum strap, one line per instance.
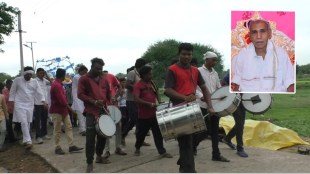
(194, 90)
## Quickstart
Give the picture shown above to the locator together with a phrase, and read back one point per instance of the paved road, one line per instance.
(259, 160)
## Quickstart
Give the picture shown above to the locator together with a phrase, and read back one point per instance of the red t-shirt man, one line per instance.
(144, 91)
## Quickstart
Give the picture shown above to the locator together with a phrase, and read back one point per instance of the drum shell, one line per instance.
(180, 120)
(231, 109)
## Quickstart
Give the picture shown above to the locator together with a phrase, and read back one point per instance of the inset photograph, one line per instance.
(263, 52)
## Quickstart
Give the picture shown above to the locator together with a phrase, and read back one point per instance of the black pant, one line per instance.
(41, 114)
(124, 119)
(132, 115)
(212, 123)
(144, 125)
(9, 128)
(186, 159)
(91, 134)
(237, 130)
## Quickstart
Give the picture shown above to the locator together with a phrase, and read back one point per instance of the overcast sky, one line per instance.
(120, 31)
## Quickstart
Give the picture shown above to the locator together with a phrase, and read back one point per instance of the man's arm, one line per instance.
(82, 91)
(13, 90)
(139, 100)
(236, 68)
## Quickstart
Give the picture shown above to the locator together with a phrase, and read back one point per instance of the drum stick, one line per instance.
(220, 98)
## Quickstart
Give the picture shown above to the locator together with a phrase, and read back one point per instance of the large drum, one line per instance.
(115, 113)
(256, 103)
(105, 126)
(225, 103)
(180, 120)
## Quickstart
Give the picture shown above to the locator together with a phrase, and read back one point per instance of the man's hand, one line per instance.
(235, 87)
(291, 88)
(211, 111)
(190, 98)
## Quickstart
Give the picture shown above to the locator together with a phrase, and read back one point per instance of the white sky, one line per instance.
(120, 31)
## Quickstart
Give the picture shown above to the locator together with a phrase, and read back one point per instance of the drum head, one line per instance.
(259, 103)
(222, 104)
(106, 125)
(115, 113)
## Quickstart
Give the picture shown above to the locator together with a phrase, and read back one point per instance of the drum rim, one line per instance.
(261, 112)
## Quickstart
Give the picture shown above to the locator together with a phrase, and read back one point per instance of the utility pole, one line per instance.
(31, 47)
(20, 43)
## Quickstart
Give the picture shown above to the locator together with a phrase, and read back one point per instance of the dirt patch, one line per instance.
(17, 160)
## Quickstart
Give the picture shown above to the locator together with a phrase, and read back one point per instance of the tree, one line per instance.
(7, 21)
(120, 75)
(161, 54)
(4, 76)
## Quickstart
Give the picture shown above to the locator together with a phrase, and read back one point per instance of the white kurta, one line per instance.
(77, 104)
(44, 87)
(255, 74)
(23, 94)
(212, 81)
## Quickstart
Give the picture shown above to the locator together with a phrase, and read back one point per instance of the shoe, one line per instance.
(46, 137)
(123, 142)
(229, 144)
(119, 151)
(83, 133)
(106, 155)
(137, 152)
(220, 158)
(242, 153)
(28, 146)
(146, 144)
(75, 148)
(166, 155)
(102, 160)
(39, 140)
(59, 151)
(89, 168)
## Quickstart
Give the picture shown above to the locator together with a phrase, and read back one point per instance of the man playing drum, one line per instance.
(94, 91)
(237, 130)
(145, 95)
(212, 82)
(180, 86)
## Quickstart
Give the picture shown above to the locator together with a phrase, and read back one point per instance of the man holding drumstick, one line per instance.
(180, 86)
(212, 82)
(94, 91)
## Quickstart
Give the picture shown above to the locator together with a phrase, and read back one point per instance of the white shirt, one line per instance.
(275, 73)
(77, 104)
(44, 87)
(122, 99)
(212, 81)
(23, 93)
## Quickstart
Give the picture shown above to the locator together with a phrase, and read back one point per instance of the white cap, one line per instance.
(209, 55)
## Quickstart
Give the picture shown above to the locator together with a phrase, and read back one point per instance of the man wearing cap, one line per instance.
(262, 66)
(23, 93)
(212, 82)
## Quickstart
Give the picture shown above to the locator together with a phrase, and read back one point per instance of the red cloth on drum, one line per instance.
(145, 92)
(186, 79)
(89, 89)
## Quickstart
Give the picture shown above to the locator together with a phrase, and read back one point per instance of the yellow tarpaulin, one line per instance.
(264, 134)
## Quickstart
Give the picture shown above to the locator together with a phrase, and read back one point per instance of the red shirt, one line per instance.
(6, 93)
(144, 91)
(186, 79)
(89, 89)
(58, 99)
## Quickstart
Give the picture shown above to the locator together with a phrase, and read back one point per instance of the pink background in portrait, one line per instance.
(285, 20)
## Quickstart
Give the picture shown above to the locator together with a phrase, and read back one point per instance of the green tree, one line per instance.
(7, 21)
(4, 76)
(120, 75)
(161, 54)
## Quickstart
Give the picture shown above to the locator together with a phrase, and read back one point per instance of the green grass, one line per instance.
(288, 110)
